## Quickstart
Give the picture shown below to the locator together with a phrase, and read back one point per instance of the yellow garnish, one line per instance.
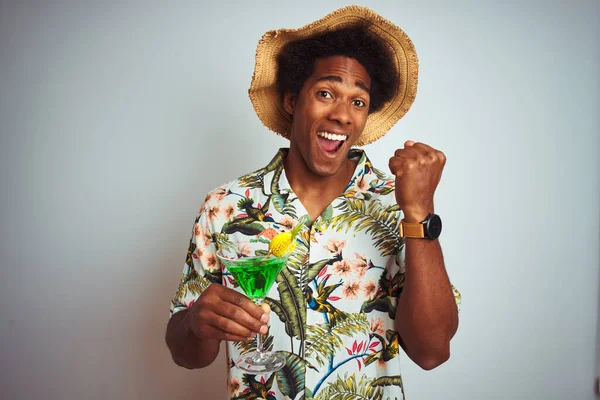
(284, 242)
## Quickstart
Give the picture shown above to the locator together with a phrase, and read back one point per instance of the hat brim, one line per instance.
(263, 89)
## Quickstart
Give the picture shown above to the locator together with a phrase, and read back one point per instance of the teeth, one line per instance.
(332, 136)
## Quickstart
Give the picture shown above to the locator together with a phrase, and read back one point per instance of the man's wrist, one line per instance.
(416, 216)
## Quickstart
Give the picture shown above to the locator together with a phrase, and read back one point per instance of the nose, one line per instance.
(340, 112)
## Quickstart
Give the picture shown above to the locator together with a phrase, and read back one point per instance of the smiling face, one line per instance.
(329, 114)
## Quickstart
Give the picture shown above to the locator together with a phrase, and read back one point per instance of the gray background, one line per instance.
(117, 118)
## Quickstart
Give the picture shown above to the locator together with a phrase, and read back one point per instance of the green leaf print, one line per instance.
(395, 380)
(191, 284)
(255, 179)
(250, 345)
(388, 381)
(292, 308)
(261, 253)
(386, 190)
(195, 284)
(223, 242)
(314, 269)
(354, 324)
(324, 341)
(372, 218)
(277, 171)
(298, 266)
(382, 175)
(328, 213)
(289, 209)
(320, 343)
(392, 208)
(279, 202)
(296, 262)
(290, 378)
(348, 388)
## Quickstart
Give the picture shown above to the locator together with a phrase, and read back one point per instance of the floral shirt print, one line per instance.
(333, 304)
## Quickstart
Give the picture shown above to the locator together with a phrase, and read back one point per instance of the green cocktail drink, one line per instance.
(256, 276)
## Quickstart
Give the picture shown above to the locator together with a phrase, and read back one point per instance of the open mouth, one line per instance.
(331, 142)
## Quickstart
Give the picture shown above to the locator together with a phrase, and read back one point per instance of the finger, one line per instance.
(426, 152)
(423, 146)
(210, 332)
(233, 327)
(441, 156)
(239, 316)
(266, 308)
(395, 165)
(239, 300)
(409, 143)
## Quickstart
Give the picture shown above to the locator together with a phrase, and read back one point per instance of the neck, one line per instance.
(314, 191)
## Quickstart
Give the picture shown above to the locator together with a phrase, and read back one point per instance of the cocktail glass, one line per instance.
(255, 275)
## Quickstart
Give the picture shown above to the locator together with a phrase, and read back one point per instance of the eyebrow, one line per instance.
(335, 78)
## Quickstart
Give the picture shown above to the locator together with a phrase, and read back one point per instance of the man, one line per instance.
(367, 275)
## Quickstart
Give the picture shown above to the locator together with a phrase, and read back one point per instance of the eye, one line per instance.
(325, 94)
(359, 103)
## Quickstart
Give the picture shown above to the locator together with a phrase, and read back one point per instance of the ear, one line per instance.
(289, 102)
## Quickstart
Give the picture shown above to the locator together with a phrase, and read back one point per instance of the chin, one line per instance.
(325, 171)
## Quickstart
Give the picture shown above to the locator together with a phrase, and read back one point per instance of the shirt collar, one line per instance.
(276, 182)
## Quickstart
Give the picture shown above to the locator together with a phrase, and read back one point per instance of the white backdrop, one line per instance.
(117, 118)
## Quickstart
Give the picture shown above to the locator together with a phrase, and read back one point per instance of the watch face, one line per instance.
(433, 226)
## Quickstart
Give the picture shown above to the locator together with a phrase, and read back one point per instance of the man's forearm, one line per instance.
(426, 316)
(186, 349)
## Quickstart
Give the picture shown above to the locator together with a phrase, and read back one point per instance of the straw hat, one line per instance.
(263, 91)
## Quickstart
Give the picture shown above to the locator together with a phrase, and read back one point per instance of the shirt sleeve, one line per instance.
(457, 297)
(201, 268)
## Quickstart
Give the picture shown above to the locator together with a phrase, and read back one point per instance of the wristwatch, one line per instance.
(430, 228)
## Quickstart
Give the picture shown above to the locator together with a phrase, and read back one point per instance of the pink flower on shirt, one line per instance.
(213, 213)
(210, 261)
(360, 265)
(342, 268)
(350, 290)
(203, 236)
(235, 386)
(229, 211)
(244, 249)
(369, 288)
(361, 184)
(377, 326)
(335, 246)
(218, 194)
(287, 222)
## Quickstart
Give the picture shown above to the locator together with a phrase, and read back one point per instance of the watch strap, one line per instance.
(412, 230)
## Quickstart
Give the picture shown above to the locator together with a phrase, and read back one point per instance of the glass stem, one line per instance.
(259, 336)
(259, 343)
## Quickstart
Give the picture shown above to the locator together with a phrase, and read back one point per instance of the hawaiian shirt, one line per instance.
(333, 304)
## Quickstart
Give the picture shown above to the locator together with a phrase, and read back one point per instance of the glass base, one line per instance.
(261, 363)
